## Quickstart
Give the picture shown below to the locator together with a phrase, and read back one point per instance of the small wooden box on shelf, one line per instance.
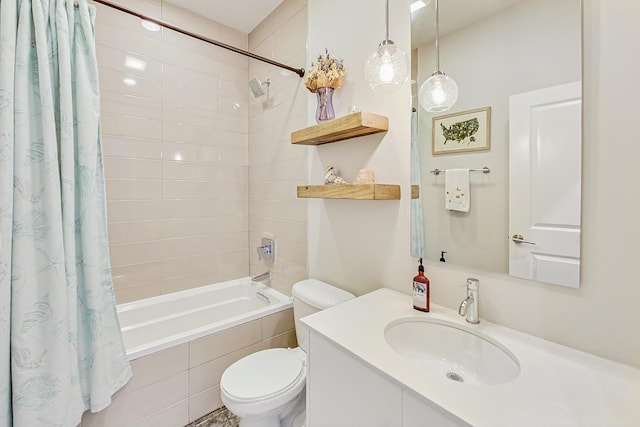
(350, 191)
(349, 126)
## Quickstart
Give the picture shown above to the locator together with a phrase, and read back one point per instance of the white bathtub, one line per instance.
(157, 323)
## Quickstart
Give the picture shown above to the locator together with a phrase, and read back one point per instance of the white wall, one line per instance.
(360, 245)
(366, 246)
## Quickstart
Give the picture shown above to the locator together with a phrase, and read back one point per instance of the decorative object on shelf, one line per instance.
(324, 110)
(387, 67)
(439, 92)
(325, 75)
(331, 176)
(365, 176)
(464, 131)
(352, 109)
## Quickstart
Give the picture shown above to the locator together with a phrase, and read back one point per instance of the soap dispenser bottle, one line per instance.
(421, 290)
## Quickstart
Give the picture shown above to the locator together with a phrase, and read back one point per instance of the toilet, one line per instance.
(267, 388)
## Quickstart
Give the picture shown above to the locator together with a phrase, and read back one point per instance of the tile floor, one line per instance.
(219, 418)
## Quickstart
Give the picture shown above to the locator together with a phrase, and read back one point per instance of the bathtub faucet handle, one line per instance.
(267, 252)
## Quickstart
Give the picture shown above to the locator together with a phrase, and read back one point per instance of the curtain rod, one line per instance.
(298, 71)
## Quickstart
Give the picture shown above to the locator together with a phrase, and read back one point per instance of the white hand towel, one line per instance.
(456, 190)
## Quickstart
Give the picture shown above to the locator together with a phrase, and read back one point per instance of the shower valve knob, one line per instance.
(266, 252)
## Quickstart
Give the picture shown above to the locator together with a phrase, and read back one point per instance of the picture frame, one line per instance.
(461, 132)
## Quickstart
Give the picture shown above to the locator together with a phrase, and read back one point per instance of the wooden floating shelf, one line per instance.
(350, 191)
(415, 191)
(349, 126)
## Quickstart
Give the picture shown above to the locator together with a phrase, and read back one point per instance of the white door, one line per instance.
(544, 184)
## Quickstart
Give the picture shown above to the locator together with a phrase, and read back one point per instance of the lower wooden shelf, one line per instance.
(350, 191)
(415, 191)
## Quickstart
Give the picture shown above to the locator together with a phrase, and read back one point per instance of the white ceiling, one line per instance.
(243, 15)
(454, 14)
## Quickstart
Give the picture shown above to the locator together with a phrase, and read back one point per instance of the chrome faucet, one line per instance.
(263, 278)
(469, 307)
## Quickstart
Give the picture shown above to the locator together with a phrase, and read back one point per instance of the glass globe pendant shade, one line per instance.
(387, 67)
(438, 93)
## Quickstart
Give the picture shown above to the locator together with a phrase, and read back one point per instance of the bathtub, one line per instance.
(157, 323)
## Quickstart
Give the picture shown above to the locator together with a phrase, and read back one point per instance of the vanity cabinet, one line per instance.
(418, 412)
(357, 379)
(343, 391)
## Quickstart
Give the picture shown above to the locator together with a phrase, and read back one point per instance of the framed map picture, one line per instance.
(464, 131)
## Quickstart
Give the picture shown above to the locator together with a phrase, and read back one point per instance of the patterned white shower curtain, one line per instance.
(417, 218)
(61, 350)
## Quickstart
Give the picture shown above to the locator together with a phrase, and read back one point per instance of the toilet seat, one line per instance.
(264, 375)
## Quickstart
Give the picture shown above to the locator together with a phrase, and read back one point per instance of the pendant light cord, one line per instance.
(386, 14)
(437, 37)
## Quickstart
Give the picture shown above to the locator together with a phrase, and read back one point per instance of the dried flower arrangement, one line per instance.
(326, 71)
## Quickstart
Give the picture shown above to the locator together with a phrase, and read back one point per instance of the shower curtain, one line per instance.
(61, 350)
(417, 220)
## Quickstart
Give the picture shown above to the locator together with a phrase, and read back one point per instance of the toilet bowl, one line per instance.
(264, 386)
(267, 388)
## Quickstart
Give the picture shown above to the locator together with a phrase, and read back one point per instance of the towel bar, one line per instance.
(439, 171)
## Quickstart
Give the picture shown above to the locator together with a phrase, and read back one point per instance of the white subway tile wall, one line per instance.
(176, 386)
(276, 167)
(175, 136)
(180, 135)
(198, 171)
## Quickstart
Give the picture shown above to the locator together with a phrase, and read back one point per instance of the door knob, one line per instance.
(518, 238)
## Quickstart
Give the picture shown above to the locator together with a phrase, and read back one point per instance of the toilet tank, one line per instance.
(311, 296)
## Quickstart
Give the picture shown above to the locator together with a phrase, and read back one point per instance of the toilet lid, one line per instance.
(263, 374)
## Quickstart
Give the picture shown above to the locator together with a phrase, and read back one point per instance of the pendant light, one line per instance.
(387, 67)
(439, 92)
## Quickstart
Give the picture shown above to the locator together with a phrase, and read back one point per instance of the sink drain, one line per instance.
(455, 377)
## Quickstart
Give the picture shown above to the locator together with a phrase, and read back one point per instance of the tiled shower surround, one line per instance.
(197, 170)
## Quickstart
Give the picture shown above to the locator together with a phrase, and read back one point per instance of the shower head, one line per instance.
(255, 86)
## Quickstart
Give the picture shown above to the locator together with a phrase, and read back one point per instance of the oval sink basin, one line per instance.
(451, 350)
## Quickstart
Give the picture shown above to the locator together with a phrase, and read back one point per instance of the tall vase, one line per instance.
(324, 111)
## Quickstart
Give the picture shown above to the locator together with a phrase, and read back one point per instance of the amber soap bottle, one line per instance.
(421, 290)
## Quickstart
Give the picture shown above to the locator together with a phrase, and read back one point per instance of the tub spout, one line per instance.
(263, 278)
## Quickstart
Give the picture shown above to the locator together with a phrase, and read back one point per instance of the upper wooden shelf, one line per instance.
(349, 126)
(350, 191)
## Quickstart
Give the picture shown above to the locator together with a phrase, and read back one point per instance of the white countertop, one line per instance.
(557, 385)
